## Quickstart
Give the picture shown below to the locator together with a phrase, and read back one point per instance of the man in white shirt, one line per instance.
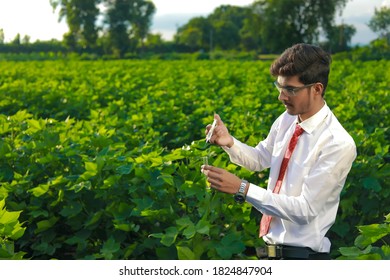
(306, 206)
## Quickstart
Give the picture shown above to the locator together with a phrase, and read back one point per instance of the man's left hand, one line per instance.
(220, 179)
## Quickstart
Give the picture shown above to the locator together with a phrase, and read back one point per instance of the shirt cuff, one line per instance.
(233, 149)
(255, 195)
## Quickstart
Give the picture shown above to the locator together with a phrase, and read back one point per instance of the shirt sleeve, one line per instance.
(320, 188)
(254, 158)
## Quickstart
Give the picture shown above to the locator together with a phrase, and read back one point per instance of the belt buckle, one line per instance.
(274, 251)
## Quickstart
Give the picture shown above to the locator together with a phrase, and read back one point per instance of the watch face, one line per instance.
(239, 198)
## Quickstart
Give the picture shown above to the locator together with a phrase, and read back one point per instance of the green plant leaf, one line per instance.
(40, 190)
(371, 183)
(230, 244)
(167, 179)
(5, 148)
(94, 219)
(386, 251)
(81, 185)
(71, 209)
(35, 125)
(124, 169)
(9, 217)
(203, 227)
(190, 231)
(110, 247)
(185, 253)
(45, 224)
(350, 251)
(184, 222)
(371, 233)
(6, 249)
(169, 237)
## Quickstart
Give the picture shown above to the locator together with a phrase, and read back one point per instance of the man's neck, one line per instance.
(315, 110)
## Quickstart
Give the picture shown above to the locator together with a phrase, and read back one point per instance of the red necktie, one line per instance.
(266, 220)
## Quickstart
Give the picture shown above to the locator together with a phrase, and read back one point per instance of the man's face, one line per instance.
(298, 98)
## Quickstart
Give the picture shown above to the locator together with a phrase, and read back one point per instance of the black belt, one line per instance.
(293, 252)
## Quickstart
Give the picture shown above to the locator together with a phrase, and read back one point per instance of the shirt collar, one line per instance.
(311, 123)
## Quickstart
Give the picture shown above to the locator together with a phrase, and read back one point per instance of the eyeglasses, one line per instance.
(290, 91)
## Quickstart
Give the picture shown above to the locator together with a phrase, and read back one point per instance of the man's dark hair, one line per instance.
(309, 62)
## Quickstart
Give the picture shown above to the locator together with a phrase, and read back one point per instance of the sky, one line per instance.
(37, 19)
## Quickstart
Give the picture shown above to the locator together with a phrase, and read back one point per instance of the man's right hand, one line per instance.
(221, 134)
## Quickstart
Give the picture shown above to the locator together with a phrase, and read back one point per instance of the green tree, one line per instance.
(128, 24)
(142, 19)
(155, 43)
(2, 36)
(380, 22)
(26, 39)
(154, 40)
(284, 23)
(339, 37)
(250, 36)
(227, 35)
(227, 21)
(117, 19)
(16, 40)
(81, 16)
(221, 29)
(196, 34)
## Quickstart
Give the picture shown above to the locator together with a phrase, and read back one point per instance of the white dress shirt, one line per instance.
(307, 203)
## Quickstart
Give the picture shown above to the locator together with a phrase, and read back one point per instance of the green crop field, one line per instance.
(101, 159)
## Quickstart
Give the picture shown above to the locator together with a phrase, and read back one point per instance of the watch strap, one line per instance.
(243, 187)
(240, 195)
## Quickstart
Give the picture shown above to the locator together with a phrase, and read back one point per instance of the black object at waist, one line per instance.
(293, 252)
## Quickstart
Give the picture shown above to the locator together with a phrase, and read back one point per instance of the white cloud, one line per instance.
(33, 18)
(37, 20)
(169, 7)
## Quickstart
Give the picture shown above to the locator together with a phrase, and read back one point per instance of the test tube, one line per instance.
(205, 160)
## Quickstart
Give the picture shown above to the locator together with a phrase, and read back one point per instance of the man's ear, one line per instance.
(319, 88)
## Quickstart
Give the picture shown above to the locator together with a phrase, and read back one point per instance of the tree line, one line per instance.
(119, 27)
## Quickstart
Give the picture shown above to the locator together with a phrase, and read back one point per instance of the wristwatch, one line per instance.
(239, 197)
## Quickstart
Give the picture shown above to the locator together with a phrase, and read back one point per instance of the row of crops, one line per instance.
(101, 159)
